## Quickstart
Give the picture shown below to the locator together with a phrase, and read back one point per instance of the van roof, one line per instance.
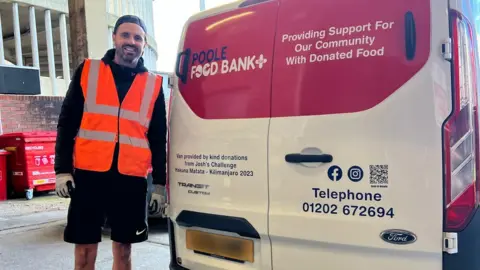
(215, 10)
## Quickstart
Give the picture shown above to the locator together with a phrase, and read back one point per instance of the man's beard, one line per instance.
(128, 58)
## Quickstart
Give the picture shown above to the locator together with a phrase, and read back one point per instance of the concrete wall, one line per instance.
(97, 28)
(29, 113)
(46, 86)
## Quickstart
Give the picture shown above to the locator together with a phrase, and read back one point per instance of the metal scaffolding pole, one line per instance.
(33, 37)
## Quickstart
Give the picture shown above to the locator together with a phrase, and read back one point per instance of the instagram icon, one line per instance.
(355, 173)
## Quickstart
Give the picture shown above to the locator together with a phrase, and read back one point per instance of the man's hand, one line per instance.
(64, 185)
(158, 200)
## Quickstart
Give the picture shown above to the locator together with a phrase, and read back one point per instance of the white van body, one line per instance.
(333, 134)
(166, 86)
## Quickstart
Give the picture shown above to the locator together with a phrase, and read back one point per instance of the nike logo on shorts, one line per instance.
(140, 232)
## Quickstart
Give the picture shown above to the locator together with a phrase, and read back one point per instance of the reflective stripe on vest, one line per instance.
(110, 137)
(91, 106)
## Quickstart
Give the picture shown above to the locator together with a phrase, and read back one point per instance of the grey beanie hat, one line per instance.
(130, 19)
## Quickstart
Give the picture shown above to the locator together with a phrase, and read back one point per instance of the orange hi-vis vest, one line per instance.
(105, 121)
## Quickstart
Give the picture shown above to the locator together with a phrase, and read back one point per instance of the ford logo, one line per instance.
(398, 237)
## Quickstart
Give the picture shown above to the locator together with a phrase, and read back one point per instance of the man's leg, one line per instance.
(122, 256)
(84, 221)
(128, 218)
(85, 256)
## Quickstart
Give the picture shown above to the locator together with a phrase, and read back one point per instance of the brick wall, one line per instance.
(20, 113)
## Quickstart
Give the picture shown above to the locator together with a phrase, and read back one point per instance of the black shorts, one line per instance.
(99, 196)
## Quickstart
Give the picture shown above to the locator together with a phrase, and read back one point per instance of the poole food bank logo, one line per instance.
(215, 61)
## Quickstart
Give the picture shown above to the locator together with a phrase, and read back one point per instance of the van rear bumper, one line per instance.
(175, 266)
(467, 257)
(188, 218)
(173, 251)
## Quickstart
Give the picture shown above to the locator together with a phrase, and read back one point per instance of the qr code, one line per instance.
(379, 175)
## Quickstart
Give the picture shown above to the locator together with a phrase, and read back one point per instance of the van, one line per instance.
(333, 134)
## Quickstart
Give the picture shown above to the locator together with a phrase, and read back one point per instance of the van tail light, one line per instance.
(461, 131)
(169, 110)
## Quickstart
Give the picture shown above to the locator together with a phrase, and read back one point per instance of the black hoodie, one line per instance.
(72, 112)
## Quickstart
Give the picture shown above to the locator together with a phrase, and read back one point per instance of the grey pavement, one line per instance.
(43, 249)
(40, 204)
(29, 220)
(33, 240)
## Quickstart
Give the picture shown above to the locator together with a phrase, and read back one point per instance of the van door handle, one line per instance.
(306, 158)
(410, 36)
(182, 75)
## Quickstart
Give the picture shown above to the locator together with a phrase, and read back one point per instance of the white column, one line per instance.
(64, 46)
(110, 41)
(147, 12)
(124, 7)
(50, 51)
(146, 57)
(2, 54)
(115, 5)
(16, 31)
(150, 58)
(151, 18)
(33, 37)
(147, 15)
(154, 59)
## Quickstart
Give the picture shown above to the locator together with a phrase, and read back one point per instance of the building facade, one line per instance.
(35, 34)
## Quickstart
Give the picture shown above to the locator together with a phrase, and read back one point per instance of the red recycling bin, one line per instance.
(3, 174)
(30, 164)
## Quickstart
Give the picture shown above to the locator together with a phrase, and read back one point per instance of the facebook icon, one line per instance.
(335, 173)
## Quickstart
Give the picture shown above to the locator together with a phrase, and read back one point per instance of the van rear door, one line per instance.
(360, 94)
(220, 113)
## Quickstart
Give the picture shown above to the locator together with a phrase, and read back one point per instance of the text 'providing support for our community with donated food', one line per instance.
(337, 43)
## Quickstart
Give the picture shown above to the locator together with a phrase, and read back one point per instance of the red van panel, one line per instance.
(230, 64)
(340, 56)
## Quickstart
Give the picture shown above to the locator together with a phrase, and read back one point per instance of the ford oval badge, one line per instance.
(398, 237)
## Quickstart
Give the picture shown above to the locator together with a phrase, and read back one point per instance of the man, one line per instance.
(111, 129)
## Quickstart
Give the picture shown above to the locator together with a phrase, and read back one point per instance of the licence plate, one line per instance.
(39, 182)
(216, 245)
(43, 181)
